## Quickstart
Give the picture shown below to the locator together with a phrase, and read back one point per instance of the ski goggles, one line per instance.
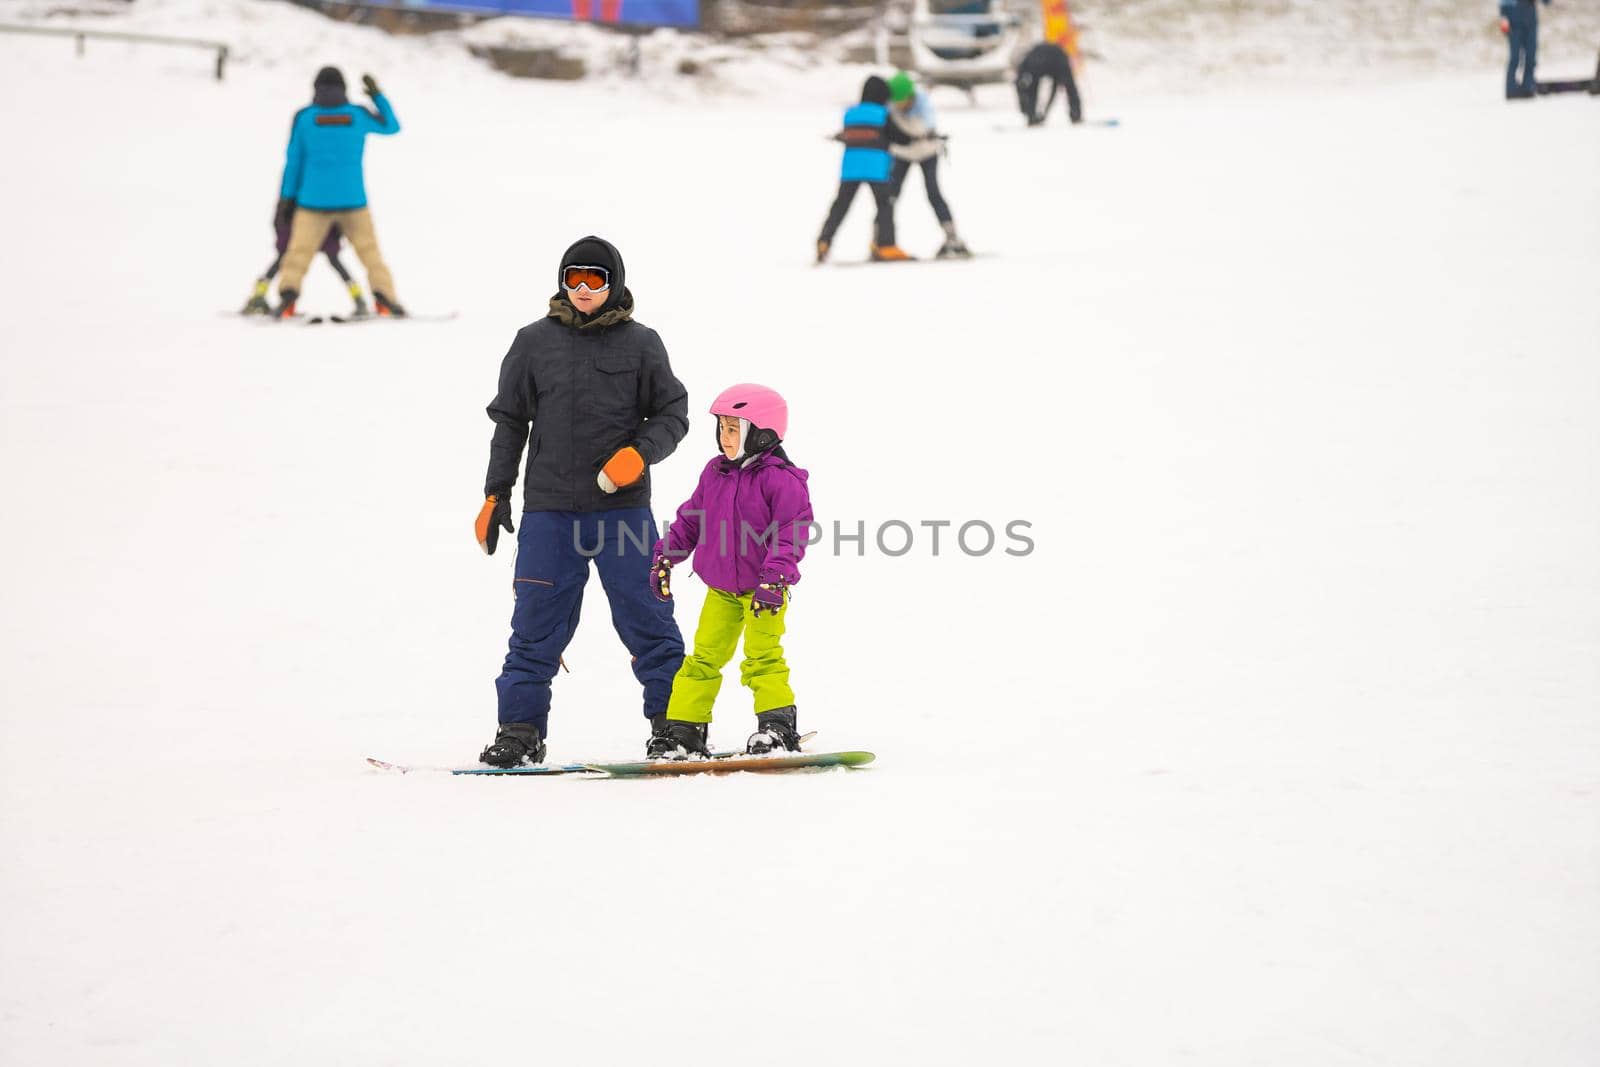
(594, 279)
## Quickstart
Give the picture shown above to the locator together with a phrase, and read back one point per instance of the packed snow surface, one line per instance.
(1279, 747)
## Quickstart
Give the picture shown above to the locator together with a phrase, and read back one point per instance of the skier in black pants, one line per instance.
(912, 114)
(1046, 60)
(867, 137)
(257, 304)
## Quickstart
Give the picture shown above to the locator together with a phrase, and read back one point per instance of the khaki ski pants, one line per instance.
(311, 229)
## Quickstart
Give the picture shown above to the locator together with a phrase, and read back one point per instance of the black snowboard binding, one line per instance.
(387, 307)
(515, 744)
(775, 732)
(678, 740)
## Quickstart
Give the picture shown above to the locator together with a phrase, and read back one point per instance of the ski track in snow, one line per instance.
(1280, 748)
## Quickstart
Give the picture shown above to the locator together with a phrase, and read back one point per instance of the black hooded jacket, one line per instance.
(575, 388)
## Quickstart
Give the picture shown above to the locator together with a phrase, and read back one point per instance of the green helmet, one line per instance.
(900, 87)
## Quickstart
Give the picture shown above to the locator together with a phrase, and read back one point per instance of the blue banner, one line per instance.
(684, 13)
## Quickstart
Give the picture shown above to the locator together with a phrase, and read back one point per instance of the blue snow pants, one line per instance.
(554, 549)
(1524, 43)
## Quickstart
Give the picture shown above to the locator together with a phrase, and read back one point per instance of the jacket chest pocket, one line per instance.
(616, 383)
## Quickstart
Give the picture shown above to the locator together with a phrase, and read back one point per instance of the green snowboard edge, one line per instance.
(757, 764)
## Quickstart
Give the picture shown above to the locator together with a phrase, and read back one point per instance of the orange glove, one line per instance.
(494, 514)
(624, 468)
(1505, 27)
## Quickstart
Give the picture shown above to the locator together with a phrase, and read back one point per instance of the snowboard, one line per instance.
(537, 769)
(534, 769)
(730, 764)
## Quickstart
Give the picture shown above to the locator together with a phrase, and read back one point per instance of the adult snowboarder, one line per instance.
(1519, 21)
(1046, 61)
(257, 304)
(866, 136)
(746, 524)
(324, 185)
(913, 114)
(591, 394)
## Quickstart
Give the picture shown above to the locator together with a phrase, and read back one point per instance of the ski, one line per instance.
(351, 320)
(788, 761)
(1103, 124)
(902, 262)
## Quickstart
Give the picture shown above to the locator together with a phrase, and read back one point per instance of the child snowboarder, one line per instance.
(591, 396)
(913, 114)
(866, 136)
(745, 523)
(281, 219)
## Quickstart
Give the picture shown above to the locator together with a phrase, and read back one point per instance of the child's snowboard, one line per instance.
(793, 761)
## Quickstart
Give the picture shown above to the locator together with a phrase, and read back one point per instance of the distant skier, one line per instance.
(589, 392)
(867, 135)
(1046, 60)
(257, 304)
(323, 186)
(913, 114)
(1519, 21)
(746, 524)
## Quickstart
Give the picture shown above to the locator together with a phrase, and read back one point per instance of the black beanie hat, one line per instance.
(875, 91)
(328, 76)
(594, 251)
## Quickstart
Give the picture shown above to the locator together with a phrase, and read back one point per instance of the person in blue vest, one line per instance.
(324, 186)
(1519, 21)
(866, 136)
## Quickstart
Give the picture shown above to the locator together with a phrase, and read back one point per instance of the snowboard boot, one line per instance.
(775, 732)
(387, 306)
(285, 308)
(889, 254)
(257, 304)
(679, 741)
(822, 250)
(954, 247)
(360, 299)
(516, 743)
(658, 729)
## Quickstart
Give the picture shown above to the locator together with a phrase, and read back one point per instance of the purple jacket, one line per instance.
(746, 525)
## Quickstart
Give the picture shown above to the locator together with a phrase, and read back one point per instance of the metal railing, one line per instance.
(136, 38)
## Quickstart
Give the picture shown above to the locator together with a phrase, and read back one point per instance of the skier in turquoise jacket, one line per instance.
(324, 185)
(866, 136)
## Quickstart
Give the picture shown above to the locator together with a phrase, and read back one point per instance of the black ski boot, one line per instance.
(285, 308)
(954, 247)
(679, 740)
(516, 743)
(775, 732)
(387, 306)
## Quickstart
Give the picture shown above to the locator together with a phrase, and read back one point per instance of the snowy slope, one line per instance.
(1280, 748)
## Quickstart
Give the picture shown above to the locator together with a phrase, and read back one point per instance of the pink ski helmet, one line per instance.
(761, 407)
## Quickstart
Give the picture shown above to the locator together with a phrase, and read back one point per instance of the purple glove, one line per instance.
(768, 596)
(661, 577)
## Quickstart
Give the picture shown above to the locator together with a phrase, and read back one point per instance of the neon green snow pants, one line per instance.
(723, 620)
